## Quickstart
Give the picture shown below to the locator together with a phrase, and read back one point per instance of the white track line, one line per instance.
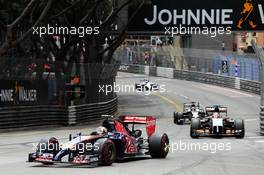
(184, 96)
(259, 141)
(249, 120)
(254, 137)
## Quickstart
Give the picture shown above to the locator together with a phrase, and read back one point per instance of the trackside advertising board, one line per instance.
(23, 92)
(223, 15)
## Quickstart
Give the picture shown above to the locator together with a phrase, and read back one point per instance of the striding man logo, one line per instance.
(246, 13)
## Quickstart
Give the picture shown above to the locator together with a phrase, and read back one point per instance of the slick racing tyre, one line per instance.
(106, 151)
(30, 157)
(50, 145)
(239, 125)
(159, 145)
(195, 125)
(177, 118)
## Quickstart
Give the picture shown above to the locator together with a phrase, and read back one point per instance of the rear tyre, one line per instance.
(239, 125)
(159, 146)
(195, 125)
(106, 151)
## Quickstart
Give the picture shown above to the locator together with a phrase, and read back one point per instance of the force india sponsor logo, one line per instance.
(184, 18)
(19, 94)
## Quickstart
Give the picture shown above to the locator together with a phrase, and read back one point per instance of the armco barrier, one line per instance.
(165, 72)
(205, 78)
(32, 116)
(250, 86)
(37, 116)
(209, 78)
(153, 71)
(261, 119)
(91, 112)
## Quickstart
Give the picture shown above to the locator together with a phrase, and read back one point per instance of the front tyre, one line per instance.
(50, 146)
(159, 146)
(195, 125)
(106, 151)
(30, 157)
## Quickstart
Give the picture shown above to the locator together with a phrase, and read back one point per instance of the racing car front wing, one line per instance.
(203, 133)
(78, 160)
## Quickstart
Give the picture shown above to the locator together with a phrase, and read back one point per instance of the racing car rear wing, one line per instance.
(211, 110)
(191, 103)
(149, 121)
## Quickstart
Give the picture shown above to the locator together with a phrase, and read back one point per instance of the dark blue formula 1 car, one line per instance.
(110, 142)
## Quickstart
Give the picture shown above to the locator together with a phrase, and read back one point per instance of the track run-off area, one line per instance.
(224, 156)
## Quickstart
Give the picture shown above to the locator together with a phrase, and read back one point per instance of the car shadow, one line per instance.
(133, 159)
(62, 166)
(126, 160)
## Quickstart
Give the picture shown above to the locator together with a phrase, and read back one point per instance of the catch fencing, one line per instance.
(25, 117)
(240, 65)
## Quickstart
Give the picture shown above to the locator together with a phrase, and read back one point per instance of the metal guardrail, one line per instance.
(91, 112)
(32, 116)
(205, 78)
(55, 103)
(36, 116)
(261, 118)
(250, 86)
(219, 80)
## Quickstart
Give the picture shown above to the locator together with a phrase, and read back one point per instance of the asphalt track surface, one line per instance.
(232, 156)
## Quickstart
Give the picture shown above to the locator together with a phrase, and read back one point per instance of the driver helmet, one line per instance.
(106, 124)
(101, 130)
(216, 109)
(193, 106)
